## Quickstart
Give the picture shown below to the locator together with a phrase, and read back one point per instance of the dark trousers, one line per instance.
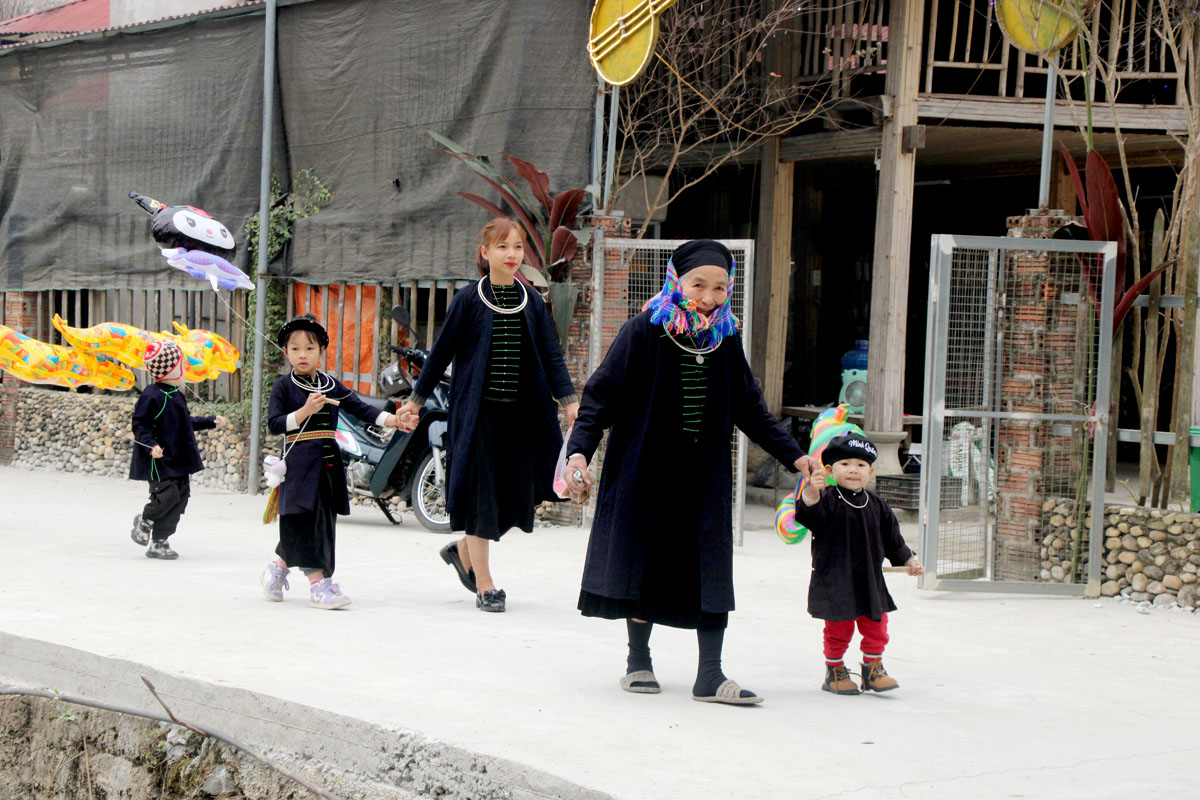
(168, 501)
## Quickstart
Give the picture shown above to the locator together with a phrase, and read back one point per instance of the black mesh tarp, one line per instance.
(176, 114)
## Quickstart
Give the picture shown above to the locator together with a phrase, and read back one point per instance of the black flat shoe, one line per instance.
(491, 600)
(449, 554)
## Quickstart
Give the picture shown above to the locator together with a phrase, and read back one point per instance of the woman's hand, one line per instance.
(221, 422)
(579, 480)
(156, 452)
(572, 410)
(914, 566)
(807, 466)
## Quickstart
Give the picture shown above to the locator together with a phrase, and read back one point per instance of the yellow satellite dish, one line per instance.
(1041, 27)
(622, 35)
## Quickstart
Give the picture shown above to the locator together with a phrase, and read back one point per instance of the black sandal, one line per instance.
(450, 555)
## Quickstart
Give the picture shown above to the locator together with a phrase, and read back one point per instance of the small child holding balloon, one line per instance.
(853, 530)
(304, 408)
(166, 453)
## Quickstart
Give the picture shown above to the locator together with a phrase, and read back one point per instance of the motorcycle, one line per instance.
(382, 463)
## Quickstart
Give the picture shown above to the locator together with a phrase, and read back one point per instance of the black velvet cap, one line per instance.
(306, 322)
(849, 445)
(701, 252)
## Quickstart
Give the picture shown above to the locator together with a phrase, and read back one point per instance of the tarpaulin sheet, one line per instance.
(175, 113)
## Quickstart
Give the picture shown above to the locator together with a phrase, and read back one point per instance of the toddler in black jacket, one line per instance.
(853, 530)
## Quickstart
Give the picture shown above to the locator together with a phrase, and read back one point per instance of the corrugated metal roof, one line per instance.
(80, 15)
(37, 28)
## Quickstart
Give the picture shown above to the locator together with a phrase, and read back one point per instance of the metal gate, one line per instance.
(1017, 371)
(634, 270)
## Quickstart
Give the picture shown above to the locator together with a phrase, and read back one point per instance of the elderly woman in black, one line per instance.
(671, 389)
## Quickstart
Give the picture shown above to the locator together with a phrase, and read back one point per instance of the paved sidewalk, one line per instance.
(1001, 696)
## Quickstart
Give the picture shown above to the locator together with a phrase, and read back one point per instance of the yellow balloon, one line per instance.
(38, 362)
(1041, 27)
(202, 359)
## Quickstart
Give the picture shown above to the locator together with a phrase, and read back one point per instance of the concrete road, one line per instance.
(1001, 695)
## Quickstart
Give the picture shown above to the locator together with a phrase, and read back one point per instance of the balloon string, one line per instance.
(247, 323)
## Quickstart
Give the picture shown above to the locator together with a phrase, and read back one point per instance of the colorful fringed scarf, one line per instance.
(678, 312)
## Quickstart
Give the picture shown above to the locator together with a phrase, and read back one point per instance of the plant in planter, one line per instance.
(548, 220)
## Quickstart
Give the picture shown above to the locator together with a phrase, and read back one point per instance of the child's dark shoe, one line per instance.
(838, 680)
(160, 549)
(490, 600)
(875, 677)
(141, 531)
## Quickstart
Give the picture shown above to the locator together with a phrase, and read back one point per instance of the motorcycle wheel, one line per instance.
(428, 499)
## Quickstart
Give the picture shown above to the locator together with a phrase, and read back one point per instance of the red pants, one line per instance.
(838, 635)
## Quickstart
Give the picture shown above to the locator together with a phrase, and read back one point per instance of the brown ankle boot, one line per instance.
(875, 677)
(838, 680)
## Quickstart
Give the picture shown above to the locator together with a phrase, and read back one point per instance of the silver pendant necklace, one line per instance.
(699, 353)
(866, 498)
(499, 309)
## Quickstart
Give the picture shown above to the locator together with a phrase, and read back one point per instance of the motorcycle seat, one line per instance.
(377, 403)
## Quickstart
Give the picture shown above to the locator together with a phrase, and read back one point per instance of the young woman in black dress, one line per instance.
(504, 431)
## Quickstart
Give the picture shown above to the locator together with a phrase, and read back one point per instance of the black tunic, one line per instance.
(664, 490)
(161, 417)
(465, 339)
(848, 548)
(298, 492)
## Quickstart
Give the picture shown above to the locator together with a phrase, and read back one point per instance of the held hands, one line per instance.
(579, 480)
(156, 452)
(914, 566)
(813, 487)
(409, 414)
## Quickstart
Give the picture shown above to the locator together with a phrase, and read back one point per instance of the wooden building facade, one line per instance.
(932, 125)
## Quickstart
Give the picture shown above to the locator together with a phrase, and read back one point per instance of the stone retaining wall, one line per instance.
(69, 432)
(1150, 555)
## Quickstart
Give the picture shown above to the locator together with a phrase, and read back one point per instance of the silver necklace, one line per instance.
(699, 353)
(866, 498)
(498, 308)
(321, 382)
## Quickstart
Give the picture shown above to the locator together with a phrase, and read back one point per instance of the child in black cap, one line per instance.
(304, 408)
(853, 530)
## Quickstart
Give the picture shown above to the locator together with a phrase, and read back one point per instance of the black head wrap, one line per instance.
(306, 322)
(849, 445)
(701, 252)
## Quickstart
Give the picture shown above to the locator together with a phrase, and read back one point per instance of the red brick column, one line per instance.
(1038, 343)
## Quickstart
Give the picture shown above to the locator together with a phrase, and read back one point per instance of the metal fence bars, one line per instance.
(1018, 362)
(634, 276)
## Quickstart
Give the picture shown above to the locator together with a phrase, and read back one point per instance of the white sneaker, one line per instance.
(274, 581)
(327, 595)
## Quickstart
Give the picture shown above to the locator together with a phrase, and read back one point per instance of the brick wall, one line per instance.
(1041, 345)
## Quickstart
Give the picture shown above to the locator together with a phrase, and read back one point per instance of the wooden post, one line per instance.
(772, 272)
(893, 232)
